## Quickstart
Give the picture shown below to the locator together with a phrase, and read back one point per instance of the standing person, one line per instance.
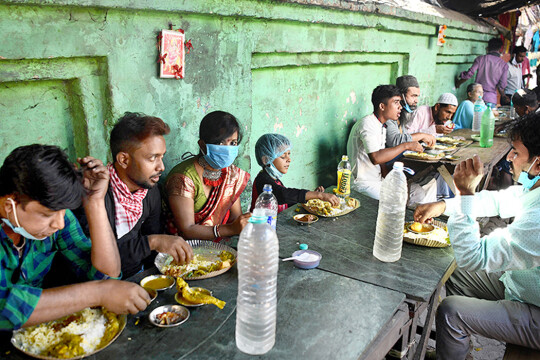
(515, 74)
(38, 186)
(431, 120)
(491, 72)
(273, 154)
(133, 200)
(203, 192)
(395, 129)
(463, 117)
(495, 292)
(367, 150)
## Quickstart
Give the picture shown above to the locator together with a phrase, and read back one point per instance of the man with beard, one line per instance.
(395, 129)
(133, 200)
(431, 120)
(495, 291)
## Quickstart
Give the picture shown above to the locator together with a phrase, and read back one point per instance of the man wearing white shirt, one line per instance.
(515, 74)
(498, 283)
(366, 145)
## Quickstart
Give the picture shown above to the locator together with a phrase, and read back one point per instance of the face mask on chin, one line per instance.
(19, 229)
(527, 180)
(408, 108)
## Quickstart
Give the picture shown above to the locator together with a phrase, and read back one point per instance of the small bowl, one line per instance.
(426, 229)
(306, 264)
(298, 218)
(151, 292)
(158, 282)
(180, 299)
(475, 137)
(180, 310)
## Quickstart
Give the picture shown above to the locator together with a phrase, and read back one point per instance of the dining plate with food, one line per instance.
(453, 140)
(72, 337)
(430, 235)
(423, 155)
(325, 208)
(209, 259)
(305, 218)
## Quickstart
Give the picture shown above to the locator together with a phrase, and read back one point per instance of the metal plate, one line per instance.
(415, 239)
(298, 219)
(180, 299)
(206, 248)
(180, 310)
(122, 319)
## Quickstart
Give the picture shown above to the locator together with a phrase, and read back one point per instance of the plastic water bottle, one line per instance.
(258, 251)
(391, 217)
(512, 110)
(479, 108)
(344, 177)
(487, 129)
(267, 206)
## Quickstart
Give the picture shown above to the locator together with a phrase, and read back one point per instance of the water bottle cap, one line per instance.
(303, 246)
(398, 165)
(256, 219)
(267, 188)
(344, 158)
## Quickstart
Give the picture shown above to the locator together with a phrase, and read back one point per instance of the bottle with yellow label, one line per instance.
(344, 177)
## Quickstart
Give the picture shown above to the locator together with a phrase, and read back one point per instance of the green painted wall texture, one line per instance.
(70, 68)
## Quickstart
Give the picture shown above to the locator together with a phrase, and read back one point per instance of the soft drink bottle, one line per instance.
(344, 177)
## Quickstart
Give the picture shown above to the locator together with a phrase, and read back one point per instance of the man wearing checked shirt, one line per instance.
(498, 280)
(37, 187)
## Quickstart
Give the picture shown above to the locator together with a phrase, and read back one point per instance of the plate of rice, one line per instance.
(72, 337)
(209, 259)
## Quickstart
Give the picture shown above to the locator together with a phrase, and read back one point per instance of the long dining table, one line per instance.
(351, 307)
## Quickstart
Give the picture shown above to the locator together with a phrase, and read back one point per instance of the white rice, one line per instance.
(91, 327)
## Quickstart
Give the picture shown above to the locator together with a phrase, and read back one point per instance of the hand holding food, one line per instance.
(331, 198)
(195, 296)
(414, 146)
(175, 246)
(426, 212)
(122, 297)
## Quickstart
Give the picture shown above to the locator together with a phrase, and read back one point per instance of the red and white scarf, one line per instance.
(128, 206)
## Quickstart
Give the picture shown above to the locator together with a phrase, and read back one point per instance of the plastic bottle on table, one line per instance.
(391, 217)
(512, 110)
(487, 129)
(258, 251)
(344, 177)
(267, 206)
(479, 108)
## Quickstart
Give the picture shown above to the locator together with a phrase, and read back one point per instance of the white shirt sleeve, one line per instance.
(370, 133)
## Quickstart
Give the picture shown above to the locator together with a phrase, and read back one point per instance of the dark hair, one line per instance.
(382, 94)
(527, 130)
(42, 173)
(519, 49)
(470, 87)
(527, 99)
(133, 128)
(218, 126)
(495, 44)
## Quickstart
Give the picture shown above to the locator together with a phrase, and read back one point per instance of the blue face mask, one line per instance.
(19, 229)
(273, 172)
(406, 106)
(525, 179)
(220, 156)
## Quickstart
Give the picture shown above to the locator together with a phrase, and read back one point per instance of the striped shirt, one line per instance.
(21, 278)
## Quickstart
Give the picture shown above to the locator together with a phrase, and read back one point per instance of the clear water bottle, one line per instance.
(391, 217)
(487, 129)
(258, 251)
(512, 110)
(479, 108)
(344, 177)
(267, 206)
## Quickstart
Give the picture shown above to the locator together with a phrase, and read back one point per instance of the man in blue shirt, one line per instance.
(498, 280)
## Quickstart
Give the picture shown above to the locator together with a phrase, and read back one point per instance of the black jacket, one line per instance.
(284, 195)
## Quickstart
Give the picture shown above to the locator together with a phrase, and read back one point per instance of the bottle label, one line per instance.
(344, 182)
(272, 220)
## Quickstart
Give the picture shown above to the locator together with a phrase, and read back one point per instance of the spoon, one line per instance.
(304, 257)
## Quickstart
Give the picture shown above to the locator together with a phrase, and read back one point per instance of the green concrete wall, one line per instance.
(69, 68)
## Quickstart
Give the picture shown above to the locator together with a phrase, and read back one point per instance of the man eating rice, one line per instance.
(38, 186)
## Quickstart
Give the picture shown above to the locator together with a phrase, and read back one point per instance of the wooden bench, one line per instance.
(516, 352)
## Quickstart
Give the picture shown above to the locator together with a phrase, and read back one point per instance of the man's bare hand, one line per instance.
(429, 139)
(95, 177)
(331, 198)
(175, 246)
(426, 212)
(320, 188)
(442, 129)
(415, 146)
(122, 297)
(468, 174)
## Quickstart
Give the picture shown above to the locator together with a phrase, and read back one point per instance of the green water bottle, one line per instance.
(487, 128)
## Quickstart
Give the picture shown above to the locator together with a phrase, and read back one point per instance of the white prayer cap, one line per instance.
(448, 99)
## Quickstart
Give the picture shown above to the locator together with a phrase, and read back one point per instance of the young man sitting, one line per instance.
(38, 185)
(431, 120)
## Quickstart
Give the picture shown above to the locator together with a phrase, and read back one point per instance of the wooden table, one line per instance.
(489, 157)
(320, 315)
(346, 244)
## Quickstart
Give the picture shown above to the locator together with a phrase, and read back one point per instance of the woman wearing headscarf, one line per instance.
(203, 192)
(273, 153)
